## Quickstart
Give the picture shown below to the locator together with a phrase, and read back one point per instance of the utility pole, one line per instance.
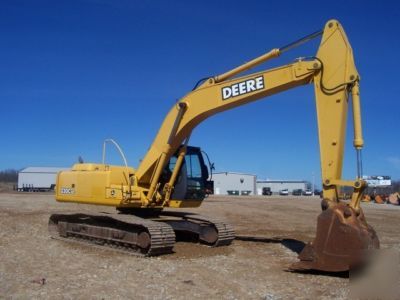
(313, 183)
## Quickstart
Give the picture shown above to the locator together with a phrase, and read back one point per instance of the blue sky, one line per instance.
(76, 72)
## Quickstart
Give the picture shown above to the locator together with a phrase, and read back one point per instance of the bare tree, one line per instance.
(395, 186)
(9, 175)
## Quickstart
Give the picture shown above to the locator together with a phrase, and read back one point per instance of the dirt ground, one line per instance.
(269, 230)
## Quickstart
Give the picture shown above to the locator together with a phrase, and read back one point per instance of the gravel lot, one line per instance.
(269, 231)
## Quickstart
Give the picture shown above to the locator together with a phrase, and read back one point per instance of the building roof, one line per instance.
(235, 173)
(278, 181)
(43, 170)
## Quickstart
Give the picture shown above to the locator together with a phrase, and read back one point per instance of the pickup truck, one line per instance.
(297, 192)
(266, 191)
(284, 192)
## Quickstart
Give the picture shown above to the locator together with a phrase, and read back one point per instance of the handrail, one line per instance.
(116, 146)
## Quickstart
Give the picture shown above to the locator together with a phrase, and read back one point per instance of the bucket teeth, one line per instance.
(342, 241)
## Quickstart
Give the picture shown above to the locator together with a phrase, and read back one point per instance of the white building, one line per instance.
(378, 180)
(231, 183)
(278, 185)
(38, 178)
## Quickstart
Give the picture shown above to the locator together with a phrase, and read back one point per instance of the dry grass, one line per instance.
(7, 186)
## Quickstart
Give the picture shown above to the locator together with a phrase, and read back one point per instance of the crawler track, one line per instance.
(120, 232)
(140, 236)
(218, 232)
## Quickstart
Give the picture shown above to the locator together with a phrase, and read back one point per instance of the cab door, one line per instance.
(192, 180)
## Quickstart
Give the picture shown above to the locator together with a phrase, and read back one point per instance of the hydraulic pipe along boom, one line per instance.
(267, 56)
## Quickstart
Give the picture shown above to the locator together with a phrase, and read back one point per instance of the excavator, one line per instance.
(175, 175)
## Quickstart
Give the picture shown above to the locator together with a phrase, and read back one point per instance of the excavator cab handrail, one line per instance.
(116, 146)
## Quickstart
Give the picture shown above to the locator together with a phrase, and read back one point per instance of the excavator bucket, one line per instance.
(342, 242)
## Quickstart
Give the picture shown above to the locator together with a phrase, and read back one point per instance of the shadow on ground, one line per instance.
(295, 246)
(292, 244)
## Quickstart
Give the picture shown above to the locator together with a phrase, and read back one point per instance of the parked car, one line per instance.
(284, 192)
(266, 191)
(317, 192)
(307, 193)
(297, 192)
(233, 193)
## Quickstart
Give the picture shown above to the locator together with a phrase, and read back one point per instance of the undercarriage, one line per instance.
(144, 236)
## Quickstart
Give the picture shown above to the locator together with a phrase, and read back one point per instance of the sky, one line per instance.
(74, 73)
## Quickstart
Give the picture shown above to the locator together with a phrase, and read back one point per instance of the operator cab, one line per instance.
(192, 182)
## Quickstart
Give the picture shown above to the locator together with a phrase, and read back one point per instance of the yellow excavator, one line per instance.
(175, 175)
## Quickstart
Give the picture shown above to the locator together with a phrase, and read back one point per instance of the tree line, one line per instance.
(9, 175)
(396, 186)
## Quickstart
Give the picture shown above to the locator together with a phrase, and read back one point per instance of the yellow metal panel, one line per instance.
(184, 203)
(89, 167)
(114, 193)
(93, 183)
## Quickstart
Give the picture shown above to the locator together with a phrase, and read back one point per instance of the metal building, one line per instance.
(38, 178)
(278, 185)
(231, 183)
